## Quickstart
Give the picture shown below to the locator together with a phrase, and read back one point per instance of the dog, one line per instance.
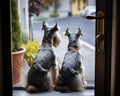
(72, 75)
(43, 73)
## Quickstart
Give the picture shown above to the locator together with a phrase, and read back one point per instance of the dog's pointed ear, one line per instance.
(67, 32)
(79, 32)
(56, 27)
(44, 25)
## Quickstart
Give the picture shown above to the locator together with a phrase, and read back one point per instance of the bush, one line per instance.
(32, 48)
(16, 29)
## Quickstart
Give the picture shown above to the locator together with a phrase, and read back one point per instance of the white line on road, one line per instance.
(88, 45)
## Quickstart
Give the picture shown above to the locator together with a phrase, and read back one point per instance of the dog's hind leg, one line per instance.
(82, 72)
(62, 89)
(54, 73)
(55, 69)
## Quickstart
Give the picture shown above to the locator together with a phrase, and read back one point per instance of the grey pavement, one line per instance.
(72, 22)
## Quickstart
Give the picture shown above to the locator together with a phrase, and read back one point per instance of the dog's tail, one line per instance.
(72, 72)
(31, 89)
(42, 70)
(62, 89)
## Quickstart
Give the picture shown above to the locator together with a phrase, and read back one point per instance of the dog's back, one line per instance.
(45, 56)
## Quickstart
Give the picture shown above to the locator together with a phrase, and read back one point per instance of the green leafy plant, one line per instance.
(41, 19)
(16, 29)
(56, 6)
(32, 48)
(45, 4)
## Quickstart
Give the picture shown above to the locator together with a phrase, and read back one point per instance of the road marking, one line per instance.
(88, 45)
(94, 20)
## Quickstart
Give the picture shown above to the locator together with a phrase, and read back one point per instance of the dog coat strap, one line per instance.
(73, 49)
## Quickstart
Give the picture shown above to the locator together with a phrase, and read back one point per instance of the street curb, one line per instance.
(50, 19)
(88, 45)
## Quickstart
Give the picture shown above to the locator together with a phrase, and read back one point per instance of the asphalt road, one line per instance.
(73, 22)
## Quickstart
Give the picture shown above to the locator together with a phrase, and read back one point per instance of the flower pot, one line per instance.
(54, 15)
(17, 58)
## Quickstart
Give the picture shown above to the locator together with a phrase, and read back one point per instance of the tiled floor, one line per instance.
(54, 93)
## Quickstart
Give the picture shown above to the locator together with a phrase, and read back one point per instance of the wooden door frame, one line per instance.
(5, 49)
(110, 86)
(117, 52)
(103, 59)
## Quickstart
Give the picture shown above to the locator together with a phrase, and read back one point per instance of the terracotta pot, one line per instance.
(17, 58)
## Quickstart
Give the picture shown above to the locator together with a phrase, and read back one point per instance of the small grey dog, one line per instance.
(71, 76)
(43, 72)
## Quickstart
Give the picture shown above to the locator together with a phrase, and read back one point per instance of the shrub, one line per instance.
(32, 48)
(16, 29)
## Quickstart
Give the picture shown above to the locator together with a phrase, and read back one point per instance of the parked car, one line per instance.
(89, 10)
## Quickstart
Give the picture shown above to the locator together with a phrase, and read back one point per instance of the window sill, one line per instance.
(86, 92)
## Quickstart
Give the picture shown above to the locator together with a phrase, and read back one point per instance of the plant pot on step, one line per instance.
(17, 58)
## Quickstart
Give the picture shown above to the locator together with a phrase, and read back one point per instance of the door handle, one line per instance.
(100, 30)
(99, 16)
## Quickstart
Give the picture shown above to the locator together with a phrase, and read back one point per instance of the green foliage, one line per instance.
(16, 30)
(32, 48)
(56, 5)
(41, 19)
(45, 4)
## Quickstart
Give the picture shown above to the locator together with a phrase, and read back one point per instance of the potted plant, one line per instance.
(56, 6)
(17, 52)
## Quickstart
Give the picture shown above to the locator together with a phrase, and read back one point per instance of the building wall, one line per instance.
(64, 6)
(79, 5)
(23, 15)
(91, 2)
